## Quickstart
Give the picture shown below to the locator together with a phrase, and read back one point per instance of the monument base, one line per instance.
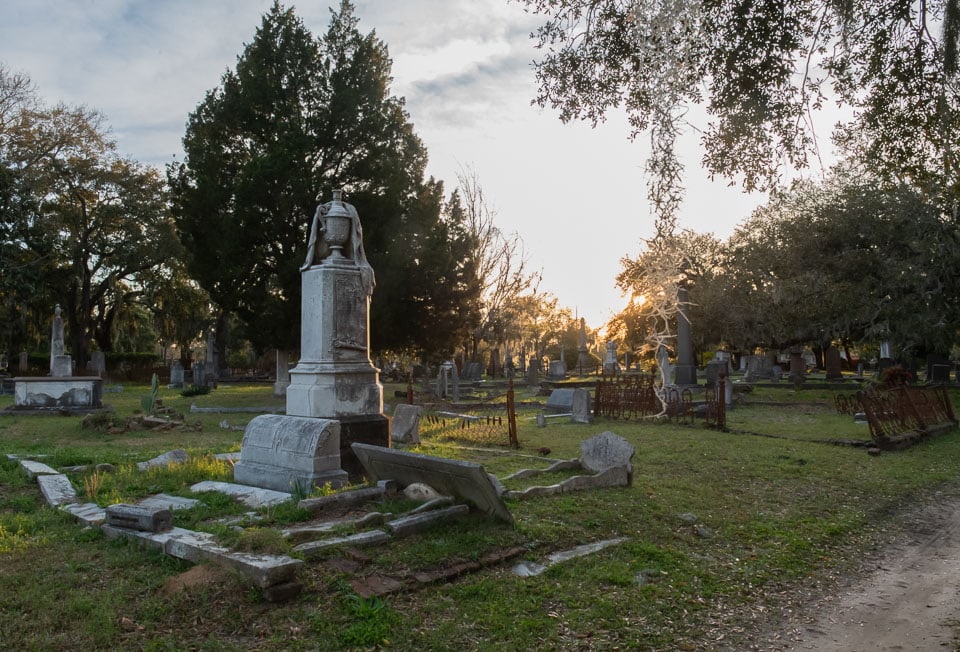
(371, 429)
(283, 453)
(48, 392)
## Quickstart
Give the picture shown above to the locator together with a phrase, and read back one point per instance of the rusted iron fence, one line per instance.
(902, 415)
(491, 424)
(627, 397)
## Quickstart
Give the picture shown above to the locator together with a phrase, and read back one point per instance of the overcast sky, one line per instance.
(575, 195)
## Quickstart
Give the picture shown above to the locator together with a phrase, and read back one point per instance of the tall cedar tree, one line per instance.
(298, 118)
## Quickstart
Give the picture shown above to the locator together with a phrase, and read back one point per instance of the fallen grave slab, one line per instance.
(370, 519)
(165, 501)
(263, 570)
(370, 538)
(407, 525)
(56, 489)
(532, 568)
(344, 499)
(33, 468)
(250, 496)
(466, 480)
(178, 456)
(90, 514)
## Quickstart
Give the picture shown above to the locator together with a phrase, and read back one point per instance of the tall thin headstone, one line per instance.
(283, 374)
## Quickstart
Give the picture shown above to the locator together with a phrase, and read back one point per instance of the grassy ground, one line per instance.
(775, 515)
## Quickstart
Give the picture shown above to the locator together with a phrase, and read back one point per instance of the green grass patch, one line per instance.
(720, 527)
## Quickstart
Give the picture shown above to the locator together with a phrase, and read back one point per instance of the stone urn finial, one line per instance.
(338, 225)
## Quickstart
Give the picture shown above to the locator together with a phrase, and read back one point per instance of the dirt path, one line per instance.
(907, 598)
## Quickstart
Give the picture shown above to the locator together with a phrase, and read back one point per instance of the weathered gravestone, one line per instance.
(98, 363)
(606, 451)
(581, 409)
(610, 365)
(558, 369)
(405, 425)
(176, 375)
(560, 401)
(473, 371)
(832, 362)
(466, 480)
(283, 452)
(24, 362)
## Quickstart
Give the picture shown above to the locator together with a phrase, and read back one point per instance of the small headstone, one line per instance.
(581, 408)
(605, 451)
(713, 371)
(610, 364)
(832, 362)
(533, 371)
(558, 369)
(405, 424)
(176, 375)
(473, 371)
(98, 363)
(199, 370)
(560, 401)
(24, 362)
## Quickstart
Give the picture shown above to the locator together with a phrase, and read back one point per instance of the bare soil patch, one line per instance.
(904, 597)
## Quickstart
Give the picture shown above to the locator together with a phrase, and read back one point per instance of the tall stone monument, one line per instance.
(583, 355)
(685, 371)
(335, 378)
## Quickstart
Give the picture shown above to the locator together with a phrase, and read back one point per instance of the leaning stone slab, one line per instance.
(604, 451)
(138, 517)
(405, 424)
(315, 548)
(56, 489)
(343, 499)
(281, 452)
(301, 532)
(178, 456)
(250, 496)
(166, 501)
(407, 525)
(263, 570)
(466, 480)
(33, 468)
(90, 514)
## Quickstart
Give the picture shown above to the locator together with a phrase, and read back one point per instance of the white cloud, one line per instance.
(575, 195)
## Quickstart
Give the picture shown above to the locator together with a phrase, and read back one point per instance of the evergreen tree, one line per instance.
(298, 118)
